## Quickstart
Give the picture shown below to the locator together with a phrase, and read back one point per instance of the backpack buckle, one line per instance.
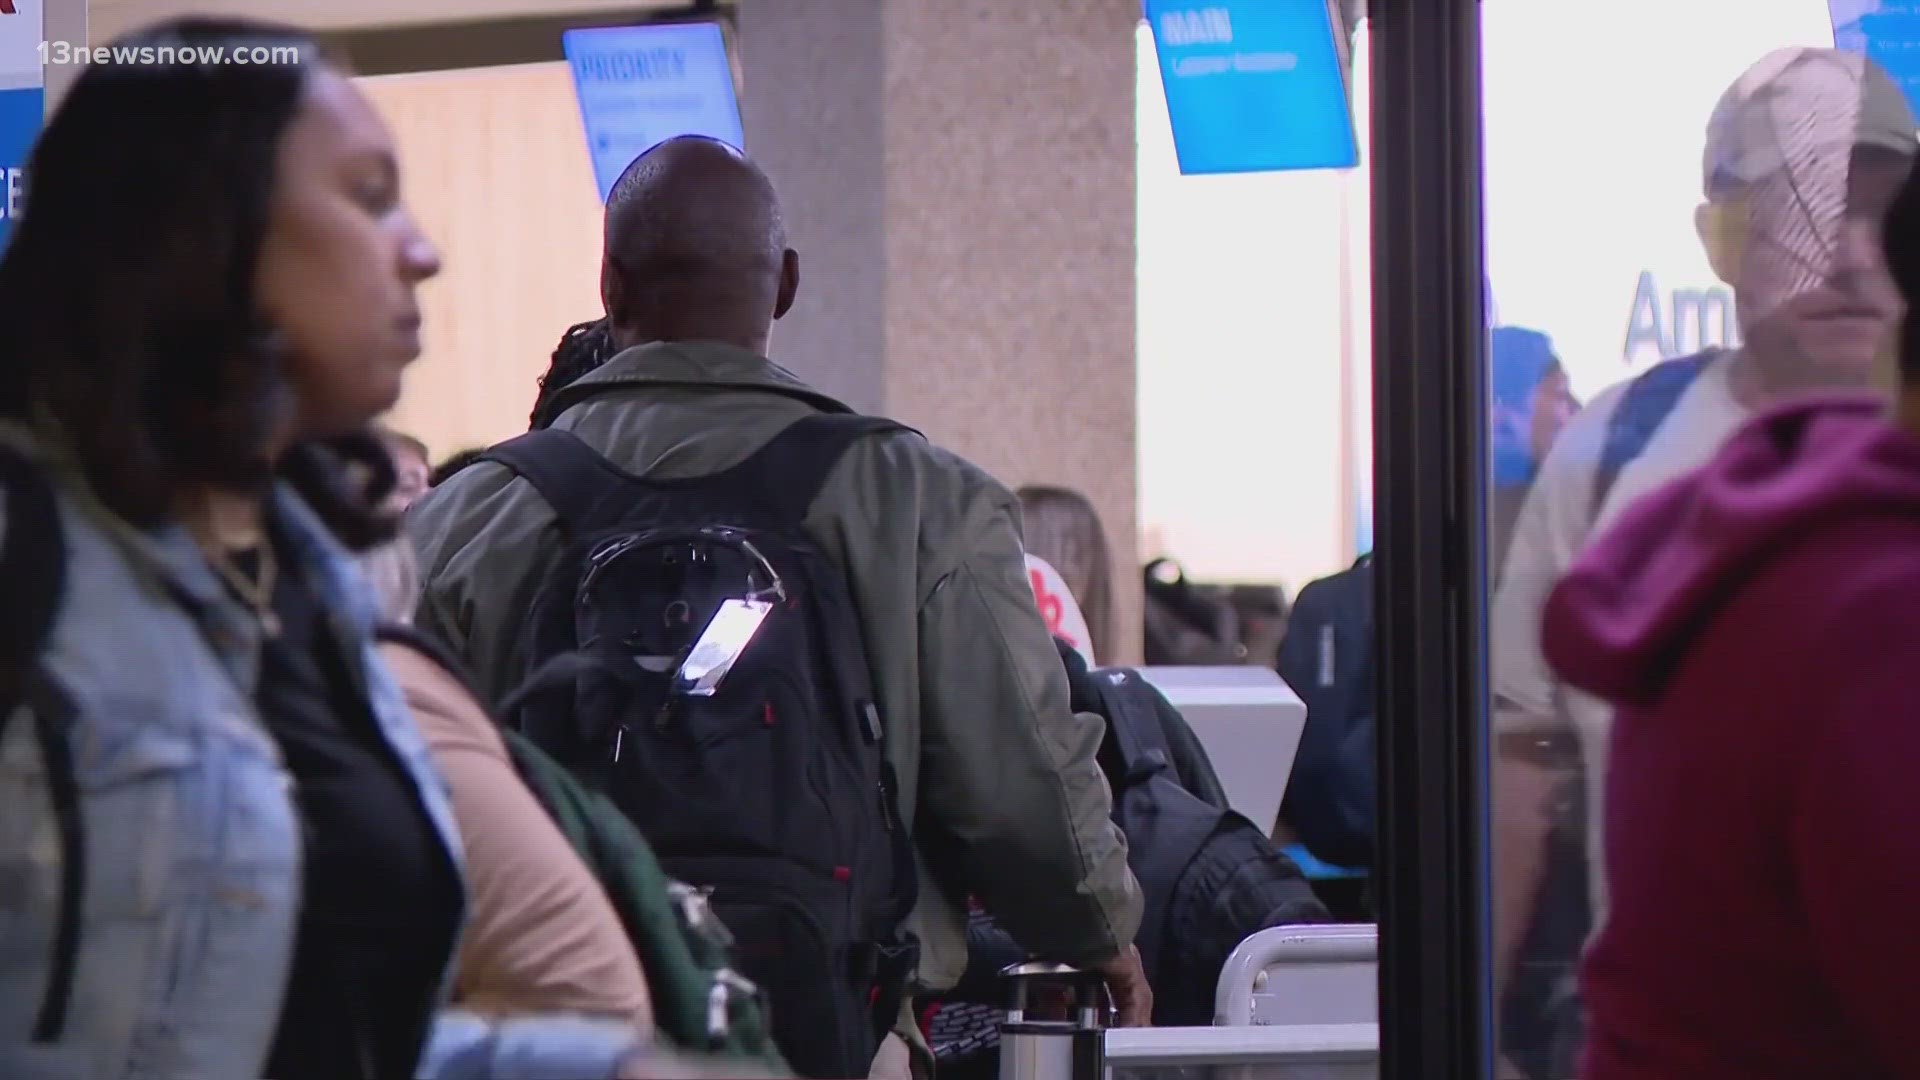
(727, 984)
(697, 912)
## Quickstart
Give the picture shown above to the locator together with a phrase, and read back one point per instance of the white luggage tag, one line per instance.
(720, 646)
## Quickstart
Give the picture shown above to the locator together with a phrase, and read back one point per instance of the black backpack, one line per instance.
(1209, 876)
(699, 1003)
(769, 787)
(1188, 624)
(1327, 658)
(33, 573)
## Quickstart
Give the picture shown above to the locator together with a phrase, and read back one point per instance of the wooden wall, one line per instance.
(495, 168)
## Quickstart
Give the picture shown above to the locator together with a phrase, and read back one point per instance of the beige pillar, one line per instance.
(62, 21)
(958, 176)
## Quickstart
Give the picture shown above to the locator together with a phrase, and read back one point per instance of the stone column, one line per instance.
(64, 21)
(958, 176)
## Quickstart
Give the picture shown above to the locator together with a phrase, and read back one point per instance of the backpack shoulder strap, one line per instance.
(1127, 701)
(574, 478)
(33, 572)
(1364, 616)
(1192, 766)
(789, 470)
(1642, 408)
(33, 575)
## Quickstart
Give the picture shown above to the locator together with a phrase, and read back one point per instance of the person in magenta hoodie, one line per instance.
(1757, 627)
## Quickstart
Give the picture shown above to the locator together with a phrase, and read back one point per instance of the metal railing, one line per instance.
(1291, 1051)
(1301, 975)
(1293, 1003)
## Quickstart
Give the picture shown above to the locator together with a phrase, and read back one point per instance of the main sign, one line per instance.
(641, 85)
(1886, 32)
(1254, 85)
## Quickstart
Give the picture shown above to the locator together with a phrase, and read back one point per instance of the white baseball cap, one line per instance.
(1797, 103)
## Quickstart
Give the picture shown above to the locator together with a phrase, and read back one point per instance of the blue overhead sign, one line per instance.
(1886, 32)
(640, 85)
(1253, 85)
(22, 102)
(20, 116)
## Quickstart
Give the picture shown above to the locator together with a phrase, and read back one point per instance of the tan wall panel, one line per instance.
(497, 172)
(959, 179)
(1010, 147)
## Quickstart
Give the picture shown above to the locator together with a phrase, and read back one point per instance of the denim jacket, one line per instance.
(173, 961)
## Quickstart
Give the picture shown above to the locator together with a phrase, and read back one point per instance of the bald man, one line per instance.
(997, 778)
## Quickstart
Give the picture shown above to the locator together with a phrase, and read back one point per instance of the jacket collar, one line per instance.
(167, 556)
(170, 561)
(692, 364)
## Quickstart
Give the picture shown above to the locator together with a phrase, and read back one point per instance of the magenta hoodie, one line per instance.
(1757, 626)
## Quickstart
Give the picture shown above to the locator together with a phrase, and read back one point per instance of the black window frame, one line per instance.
(1430, 482)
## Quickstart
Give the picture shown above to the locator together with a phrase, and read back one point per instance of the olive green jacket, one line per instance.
(997, 774)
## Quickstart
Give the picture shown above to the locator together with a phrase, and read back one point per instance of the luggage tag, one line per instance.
(720, 647)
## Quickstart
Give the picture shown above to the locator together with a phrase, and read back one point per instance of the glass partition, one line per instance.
(1681, 229)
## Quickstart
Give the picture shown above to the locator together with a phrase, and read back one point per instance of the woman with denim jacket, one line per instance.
(209, 298)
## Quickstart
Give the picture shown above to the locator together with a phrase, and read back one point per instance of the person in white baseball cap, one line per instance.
(1804, 154)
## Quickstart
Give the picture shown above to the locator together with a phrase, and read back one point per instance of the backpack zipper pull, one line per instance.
(619, 741)
(717, 1014)
(889, 807)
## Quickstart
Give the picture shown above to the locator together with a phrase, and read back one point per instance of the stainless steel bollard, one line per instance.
(1055, 1026)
